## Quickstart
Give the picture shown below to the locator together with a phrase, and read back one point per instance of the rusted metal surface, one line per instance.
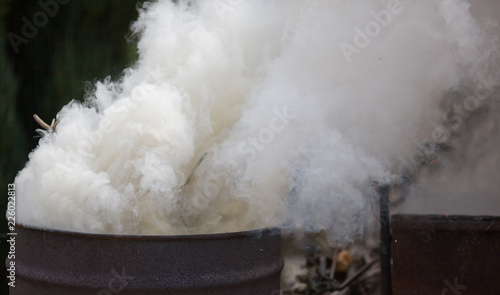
(55, 262)
(445, 255)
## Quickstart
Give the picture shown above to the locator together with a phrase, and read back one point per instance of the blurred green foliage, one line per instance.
(11, 154)
(82, 42)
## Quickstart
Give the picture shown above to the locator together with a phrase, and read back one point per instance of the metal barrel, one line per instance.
(434, 254)
(57, 262)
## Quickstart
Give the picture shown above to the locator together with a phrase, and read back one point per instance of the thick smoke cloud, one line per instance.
(295, 107)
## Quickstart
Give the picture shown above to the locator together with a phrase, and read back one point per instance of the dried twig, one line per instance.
(197, 164)
(50, 128)
(357, 274)
(322, 264)
(334, 263)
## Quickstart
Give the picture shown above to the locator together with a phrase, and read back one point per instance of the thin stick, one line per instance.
(322, 264)
(50, 128)
(354, 276)
(197, 164)
(41, 122)
(334, 262)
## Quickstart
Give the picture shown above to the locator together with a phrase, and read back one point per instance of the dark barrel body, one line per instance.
(434, 254)
(57, 262)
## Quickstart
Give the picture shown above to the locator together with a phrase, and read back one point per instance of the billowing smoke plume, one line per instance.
(465, 180)
(295, 108)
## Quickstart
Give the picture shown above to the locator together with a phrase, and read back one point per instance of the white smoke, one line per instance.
(298, 105)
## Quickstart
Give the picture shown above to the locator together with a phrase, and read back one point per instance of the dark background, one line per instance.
(82, 42)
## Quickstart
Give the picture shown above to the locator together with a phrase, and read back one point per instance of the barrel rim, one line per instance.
(215, 236)
(445, 222)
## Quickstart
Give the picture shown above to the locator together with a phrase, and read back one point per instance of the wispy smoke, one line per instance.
(298, 107)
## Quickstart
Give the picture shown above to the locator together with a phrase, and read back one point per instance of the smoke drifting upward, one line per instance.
(299, 107)
(467, 179)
